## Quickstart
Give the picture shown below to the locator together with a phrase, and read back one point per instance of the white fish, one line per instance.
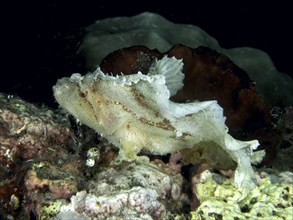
(134, 113)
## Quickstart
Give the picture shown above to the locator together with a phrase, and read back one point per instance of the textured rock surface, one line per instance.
(156, 32)
(27, 133)
(135, 191)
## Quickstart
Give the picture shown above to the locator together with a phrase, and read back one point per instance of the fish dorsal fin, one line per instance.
(171, 69)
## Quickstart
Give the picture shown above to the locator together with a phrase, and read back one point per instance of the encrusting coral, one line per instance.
(27, 134)
(220, 199)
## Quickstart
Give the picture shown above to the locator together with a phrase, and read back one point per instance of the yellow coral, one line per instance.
(226, 201)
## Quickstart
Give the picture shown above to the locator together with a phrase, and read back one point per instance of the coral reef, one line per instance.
(53, 167)
(135, 191)
(156, 32)
(27, 134)
(46, 183)
(56, 182)
(26, 129)
(38, 184)
(220, 199)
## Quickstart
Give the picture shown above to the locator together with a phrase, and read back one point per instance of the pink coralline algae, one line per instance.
(28, 134)
(26, 129)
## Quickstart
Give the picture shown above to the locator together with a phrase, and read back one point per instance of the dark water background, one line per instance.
(39, 39)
